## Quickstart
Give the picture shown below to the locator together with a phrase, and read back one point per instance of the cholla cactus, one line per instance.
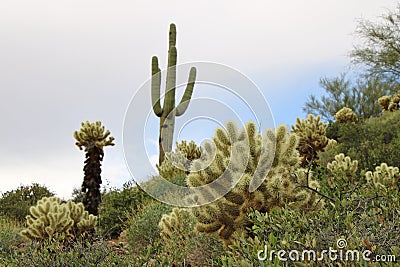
(246, 155)
(343, 170)
(175, 164)
(191, 150)
(93, 137)
(345, 115)
(83, 221)
(384, 176)
(176, 224)
(178, 163)
(50, 218)
(389, 103)
(332, 143)
(312, 138)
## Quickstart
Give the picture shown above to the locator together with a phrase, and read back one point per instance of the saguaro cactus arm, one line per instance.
(156, 86)
(183, 105)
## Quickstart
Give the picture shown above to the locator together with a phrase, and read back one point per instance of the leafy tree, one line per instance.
(379, 50)
(93, 137)
(360, 95)
(16, 203)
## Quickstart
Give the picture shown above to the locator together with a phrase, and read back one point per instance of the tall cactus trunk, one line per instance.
(92, 180)
(168, 112)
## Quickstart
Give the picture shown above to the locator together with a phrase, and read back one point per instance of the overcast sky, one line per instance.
(64, 62)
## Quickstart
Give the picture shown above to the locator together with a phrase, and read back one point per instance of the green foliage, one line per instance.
(379, 48)
(246, 155)
(142, 226)
(15, 204)
(360, 96)
(116, 206)
(312, 138)
(81, 253)
(168, 112)
(52, 219)
(183, 243)
(9, 238)
(370, 142)
(94, 138)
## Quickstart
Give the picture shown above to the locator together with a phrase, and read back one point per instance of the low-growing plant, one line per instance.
(9, 238)
(79, 253)
(183, 243)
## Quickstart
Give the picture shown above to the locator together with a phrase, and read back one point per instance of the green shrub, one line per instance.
(371, 142)
(9, 238)
(116, 206)
(142, 226)
(16, 203)
(81, 253)
(183, 243)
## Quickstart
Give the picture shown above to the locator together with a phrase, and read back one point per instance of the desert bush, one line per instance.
(142, 226)
(116, 206)
(183, 244)
(81, 253)
(16, 203)
(9, 238)
(371, 141)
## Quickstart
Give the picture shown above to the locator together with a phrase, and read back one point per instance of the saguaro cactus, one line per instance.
(93, 137)
(168, 112)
